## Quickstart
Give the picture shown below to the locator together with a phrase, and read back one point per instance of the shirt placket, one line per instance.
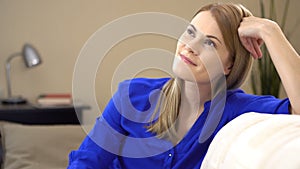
(168, 159)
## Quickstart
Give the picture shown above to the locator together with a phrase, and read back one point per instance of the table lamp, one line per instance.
(31, 58)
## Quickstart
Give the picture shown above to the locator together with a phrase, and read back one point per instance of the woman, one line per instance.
(177, 130)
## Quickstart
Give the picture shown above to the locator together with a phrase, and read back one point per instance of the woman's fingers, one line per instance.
(249, 32)
(250, 48)
(256, 46)
(253, 46)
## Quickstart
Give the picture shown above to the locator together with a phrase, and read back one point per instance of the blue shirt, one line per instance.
(120, 138)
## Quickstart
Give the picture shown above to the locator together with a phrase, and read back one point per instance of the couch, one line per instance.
(256, 141)
(38, 146)
(250, 141)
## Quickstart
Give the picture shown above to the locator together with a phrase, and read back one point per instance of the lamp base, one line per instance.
(14, 100)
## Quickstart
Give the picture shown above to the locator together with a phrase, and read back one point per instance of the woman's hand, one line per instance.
(251, 32)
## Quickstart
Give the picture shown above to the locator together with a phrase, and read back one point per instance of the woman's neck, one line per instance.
(193, 96)
(192, 102)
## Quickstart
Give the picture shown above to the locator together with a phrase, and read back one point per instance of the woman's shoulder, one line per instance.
(242, 102)
(143, 84)
(241, 95)
(236, 93)
(140, 92)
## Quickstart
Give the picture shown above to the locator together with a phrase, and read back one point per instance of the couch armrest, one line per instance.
(256, 140)
(38, 146)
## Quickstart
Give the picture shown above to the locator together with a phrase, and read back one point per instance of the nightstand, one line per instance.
(32, 114)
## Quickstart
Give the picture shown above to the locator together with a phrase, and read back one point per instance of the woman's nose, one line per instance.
(192, 47)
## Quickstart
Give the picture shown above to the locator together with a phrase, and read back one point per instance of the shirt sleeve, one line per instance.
(101, 147)
(88, 156)
(243, 103)
(123, 115)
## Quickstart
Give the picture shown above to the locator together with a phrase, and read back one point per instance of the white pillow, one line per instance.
(38, 146)
(256, 141)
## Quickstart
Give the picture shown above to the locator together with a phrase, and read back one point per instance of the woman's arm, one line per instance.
(253, 32)
(102, 145)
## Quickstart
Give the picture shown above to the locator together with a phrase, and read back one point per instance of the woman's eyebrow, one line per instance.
(214, 37)
(191, 25)
(209, 36)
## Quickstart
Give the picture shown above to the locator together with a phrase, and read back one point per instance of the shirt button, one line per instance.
(170, 155)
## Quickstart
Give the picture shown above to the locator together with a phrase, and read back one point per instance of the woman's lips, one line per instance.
(187, 60)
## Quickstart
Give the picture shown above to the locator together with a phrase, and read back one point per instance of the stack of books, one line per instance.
(54, 100)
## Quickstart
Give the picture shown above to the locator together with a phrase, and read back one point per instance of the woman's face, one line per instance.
(200, 50)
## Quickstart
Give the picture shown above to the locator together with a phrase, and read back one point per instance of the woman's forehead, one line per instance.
(206, 24)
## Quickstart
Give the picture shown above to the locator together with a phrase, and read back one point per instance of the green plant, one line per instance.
(264, 78)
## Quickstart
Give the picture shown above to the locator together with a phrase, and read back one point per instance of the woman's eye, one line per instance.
(190, 32)
(209, 42)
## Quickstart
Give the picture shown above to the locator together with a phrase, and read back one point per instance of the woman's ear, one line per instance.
(227, 68)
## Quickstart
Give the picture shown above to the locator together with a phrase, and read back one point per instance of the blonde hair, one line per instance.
(228, 17)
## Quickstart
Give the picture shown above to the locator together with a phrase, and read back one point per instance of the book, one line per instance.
(59, 99)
